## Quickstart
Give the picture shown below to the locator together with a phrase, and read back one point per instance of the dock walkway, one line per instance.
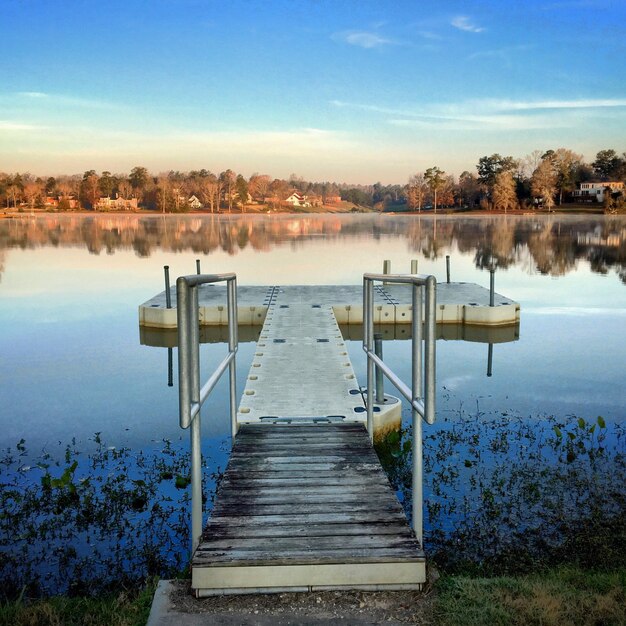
(304, 503)
(305, 507)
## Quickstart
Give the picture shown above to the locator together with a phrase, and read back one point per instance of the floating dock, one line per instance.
(304, 503)
(457, 303)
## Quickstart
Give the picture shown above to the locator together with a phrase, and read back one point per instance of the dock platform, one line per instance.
(305, 507)
(304, 503)
(457, 303)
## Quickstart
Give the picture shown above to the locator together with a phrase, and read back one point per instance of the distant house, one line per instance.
(301, 200)
(332, 199)
(296, 199)
(594, 191)
(194, 202)
(116, 204)
(52, 202)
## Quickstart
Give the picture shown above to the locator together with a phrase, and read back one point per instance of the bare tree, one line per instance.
(417, 191)
(259, 185)
(228, 179)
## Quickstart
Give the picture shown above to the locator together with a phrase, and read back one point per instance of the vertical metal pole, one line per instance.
(492, 285)
(168, 295)
(429, 340)
(232, 347)
(170, 368)
(197, 266)
(490, 360)
(417, 372)
(413, 266)
(416, 420)
(369, 331)
(418, 489)
(380, 383)
(184, 374)
(447, 268)
(196, 457)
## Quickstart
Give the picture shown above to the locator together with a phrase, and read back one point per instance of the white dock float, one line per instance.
(457, 303)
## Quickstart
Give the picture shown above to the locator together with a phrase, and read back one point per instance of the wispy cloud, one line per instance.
(588, 103)
(427, 34)
(17, 126)
(463, 22)
(363, 39)
(65, 100)
(505, 54)
(491, 114)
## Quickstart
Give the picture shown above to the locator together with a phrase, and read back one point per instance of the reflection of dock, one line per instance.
(457, 303)
(168, 337)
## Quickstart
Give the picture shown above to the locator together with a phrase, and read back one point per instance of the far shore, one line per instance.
(566, 209)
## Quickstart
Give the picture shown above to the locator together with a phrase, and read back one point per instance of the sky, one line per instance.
(330, 90)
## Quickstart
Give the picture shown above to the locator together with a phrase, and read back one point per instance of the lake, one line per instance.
(70, 286)
(73, 363)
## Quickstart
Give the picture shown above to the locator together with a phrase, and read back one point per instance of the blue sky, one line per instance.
(327, 89)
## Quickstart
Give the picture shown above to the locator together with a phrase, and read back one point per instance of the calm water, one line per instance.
(72, 362)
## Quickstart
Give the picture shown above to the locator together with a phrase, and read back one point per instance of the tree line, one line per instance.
(500, 183)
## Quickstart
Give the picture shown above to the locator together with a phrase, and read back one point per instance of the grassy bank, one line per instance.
(564, 596)
(122, 609)
(561, 596)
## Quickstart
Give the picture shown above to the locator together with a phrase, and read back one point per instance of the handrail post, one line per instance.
(429, 357)
(184, 375)
(190, 395)
(416, 422)
(196, 457)
(232, 347)
(380, 383)
(369, 331)
(168, 295)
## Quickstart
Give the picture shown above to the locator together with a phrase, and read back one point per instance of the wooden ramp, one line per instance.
(305, 507)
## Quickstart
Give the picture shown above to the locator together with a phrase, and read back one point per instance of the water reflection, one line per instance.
(547, 244)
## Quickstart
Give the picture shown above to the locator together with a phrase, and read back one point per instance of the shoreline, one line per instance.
(566, 210)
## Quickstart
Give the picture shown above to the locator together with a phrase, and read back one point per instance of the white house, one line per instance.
(594, 191)
(297, 199)
(194, 203)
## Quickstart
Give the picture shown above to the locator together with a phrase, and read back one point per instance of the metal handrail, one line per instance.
(190, 395)
(421, 394)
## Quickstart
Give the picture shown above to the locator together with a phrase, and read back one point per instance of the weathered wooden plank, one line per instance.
(326, 518)
(285, 492)
(226, 530)
(238, 508)
(295, 467)
(282, 544)
(296, 495)
(251, 499)
(243, 482)
(346, 473)
(242, 558)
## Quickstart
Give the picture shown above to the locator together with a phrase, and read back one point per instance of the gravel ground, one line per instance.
(328, 607)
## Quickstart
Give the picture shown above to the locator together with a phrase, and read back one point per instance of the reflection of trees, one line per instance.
(552, 244)
(498, 246)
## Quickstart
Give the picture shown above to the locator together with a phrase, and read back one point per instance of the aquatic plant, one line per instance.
(507, 494)
(86, 522)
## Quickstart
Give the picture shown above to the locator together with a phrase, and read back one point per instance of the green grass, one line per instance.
(122, 609)
(564, 596)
